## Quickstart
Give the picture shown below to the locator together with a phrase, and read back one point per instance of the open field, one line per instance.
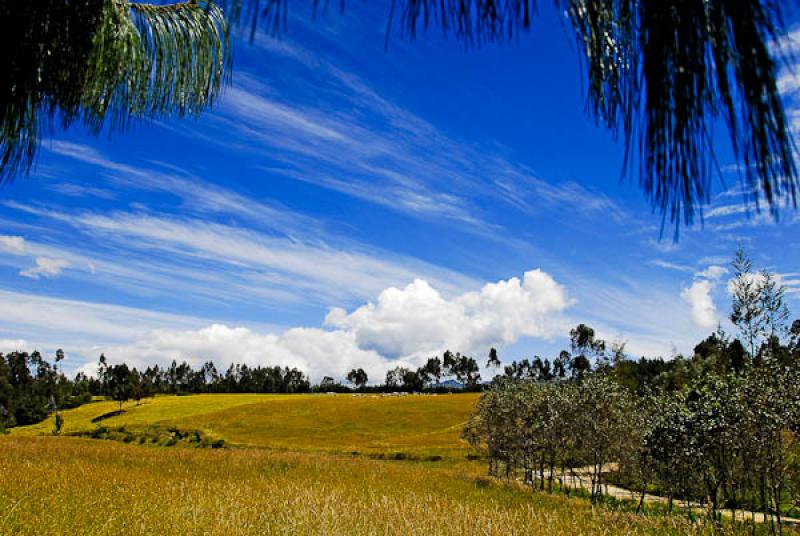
(80, 486)
(294, 472)
(416, 426)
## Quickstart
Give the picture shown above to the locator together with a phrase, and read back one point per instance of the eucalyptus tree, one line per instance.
(358, 377)
(122, 383)
(490, 425)
(659, 74)
(394, 377)
(431, 371)
(636, 462)
(746, 300)
(585, 348)
(716, 410)
(464, 368)
(773, 305)
(772, 406)
(6, 394)
(670, 447)
(493, 362)
(601, 423)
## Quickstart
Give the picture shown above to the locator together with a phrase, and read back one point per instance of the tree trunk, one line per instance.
(641, 499)
(541, 472)
(777, 501)
(765, 503)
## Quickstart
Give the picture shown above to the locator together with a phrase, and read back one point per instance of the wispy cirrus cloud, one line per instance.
(228, 263)
(667, 265)
(347, 137)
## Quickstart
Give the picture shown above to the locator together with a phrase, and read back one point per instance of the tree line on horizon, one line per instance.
(719, 429)
(31, 388)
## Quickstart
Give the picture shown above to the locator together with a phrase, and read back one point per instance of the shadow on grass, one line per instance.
(108, 415)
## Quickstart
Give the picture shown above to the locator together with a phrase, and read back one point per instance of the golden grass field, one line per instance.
(419, 426)
(295, 473)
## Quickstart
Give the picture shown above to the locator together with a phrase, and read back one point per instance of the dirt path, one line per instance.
(580, 478)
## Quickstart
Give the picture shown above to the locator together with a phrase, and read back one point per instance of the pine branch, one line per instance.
(661, 73)
(106, 63)
(187, 53)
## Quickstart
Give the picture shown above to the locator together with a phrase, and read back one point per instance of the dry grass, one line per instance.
(417, 426)
(298, 477)
(52, 485)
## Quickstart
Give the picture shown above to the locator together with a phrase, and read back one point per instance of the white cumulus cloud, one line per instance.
(403, 327)
(698, 296)
(417, 319)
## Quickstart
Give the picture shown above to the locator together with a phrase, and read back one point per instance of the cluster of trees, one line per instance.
(31, 388)
(461, 371)
(453, 367)
(446, 373)
(719, 428)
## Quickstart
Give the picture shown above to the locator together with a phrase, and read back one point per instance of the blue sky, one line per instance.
(345, 205)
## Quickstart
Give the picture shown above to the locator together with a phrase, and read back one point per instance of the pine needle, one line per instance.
(105, 63)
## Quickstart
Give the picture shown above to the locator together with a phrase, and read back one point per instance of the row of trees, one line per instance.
(723, 440)
(122, 383)
(461, 370)
(719, 428)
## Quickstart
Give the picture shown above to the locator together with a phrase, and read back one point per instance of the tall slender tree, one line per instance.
(746, 306)
(773, 305)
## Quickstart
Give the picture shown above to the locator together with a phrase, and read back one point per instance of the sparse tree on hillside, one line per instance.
(327, 384)
(561, 365)
(746, 306)
(464, 368)
(580, 366)
(773, 305)
(6, 395)
(358, 377)
(520, 370)
(122, 383)
(585, 347)
(394, 377)
(448, 363)
(210, 374)
(431, 371)
(494, 361)
(102, 373)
